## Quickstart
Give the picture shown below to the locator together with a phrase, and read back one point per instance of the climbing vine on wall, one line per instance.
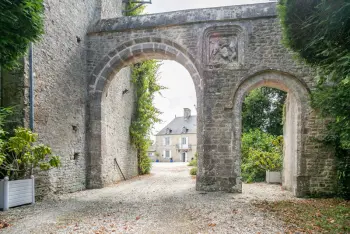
(144, 77)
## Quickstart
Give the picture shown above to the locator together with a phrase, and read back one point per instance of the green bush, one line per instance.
(260, 152)
(193, 162)
(193, 171)
(145, 164)
(21, 22)
(320, 36)
(19, 155)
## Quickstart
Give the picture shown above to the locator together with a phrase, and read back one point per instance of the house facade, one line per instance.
(177, 140)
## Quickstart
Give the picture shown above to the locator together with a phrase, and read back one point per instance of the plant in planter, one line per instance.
(261, 155)
(19, 157)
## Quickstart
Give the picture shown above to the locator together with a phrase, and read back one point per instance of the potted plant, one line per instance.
(19, 157)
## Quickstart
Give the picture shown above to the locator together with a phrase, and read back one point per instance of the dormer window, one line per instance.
(184, 130)
(168, 131)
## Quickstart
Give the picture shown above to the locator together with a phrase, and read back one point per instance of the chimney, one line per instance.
(187, 113)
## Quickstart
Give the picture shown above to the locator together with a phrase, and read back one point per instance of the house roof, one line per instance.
(177, 125)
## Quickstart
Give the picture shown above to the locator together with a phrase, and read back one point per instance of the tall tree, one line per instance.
(263, 109)
(319, 32)
(21, 22)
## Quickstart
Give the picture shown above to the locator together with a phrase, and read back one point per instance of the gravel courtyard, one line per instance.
(164, 202)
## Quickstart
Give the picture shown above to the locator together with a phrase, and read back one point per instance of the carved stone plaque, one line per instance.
(224, 47)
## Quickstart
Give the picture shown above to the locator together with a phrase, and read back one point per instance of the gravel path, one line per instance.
(164, 202)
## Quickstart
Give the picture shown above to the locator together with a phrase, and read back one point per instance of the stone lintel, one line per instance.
(194, 16)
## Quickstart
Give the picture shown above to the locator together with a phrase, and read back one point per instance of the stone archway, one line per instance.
(297, 110)
(128, 53)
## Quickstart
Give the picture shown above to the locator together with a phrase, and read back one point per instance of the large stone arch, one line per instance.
(297, 111)
(130, 52)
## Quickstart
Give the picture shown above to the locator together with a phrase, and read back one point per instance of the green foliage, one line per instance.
(137, 11)
(193, 162)
(21, 22)
(193, 171)
(262, 108)
(319, 32)
(144, 76)
(260, 152)
(19, 155)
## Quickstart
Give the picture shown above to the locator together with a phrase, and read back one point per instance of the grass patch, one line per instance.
(312, 215)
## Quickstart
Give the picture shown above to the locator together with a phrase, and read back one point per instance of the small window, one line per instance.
(184, 130)
(168, 131)
(166, 140)
(184, 140)
(167, 153)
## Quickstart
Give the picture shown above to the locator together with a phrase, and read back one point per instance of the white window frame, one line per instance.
(165, 153)
(166, 141)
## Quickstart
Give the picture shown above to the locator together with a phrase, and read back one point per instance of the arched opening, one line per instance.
(296, 109)
(111, 68)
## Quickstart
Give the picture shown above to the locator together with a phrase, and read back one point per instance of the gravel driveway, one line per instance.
(164, 202)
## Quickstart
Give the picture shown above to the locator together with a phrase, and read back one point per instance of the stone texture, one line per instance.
(61, 83)
(118, 107)
(227, 50)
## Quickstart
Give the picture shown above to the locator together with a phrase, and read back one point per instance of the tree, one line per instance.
(318, 31)
(21, 22)
(263, 109)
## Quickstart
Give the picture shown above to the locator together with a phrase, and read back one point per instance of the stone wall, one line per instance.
(228, 52)
(118, 107)
(80, 109)
(60, 88)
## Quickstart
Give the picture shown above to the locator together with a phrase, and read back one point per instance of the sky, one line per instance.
(181, 92)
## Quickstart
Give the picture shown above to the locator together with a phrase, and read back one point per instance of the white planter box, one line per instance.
(273, 177)
(16, 193)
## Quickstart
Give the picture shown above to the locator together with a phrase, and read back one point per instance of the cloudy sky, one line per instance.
(180, 92)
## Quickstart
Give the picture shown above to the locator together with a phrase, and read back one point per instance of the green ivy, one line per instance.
(144, 77)
(318, 31)
(21, 22)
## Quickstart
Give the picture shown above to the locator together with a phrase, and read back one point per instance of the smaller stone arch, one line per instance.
(130, 52)
(298, 108)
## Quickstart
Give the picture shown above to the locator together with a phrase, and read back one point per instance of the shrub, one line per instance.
(19, 155)
(193, 171)
(260, 152)
(320, 36)
(145, 164)
(193, 162)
